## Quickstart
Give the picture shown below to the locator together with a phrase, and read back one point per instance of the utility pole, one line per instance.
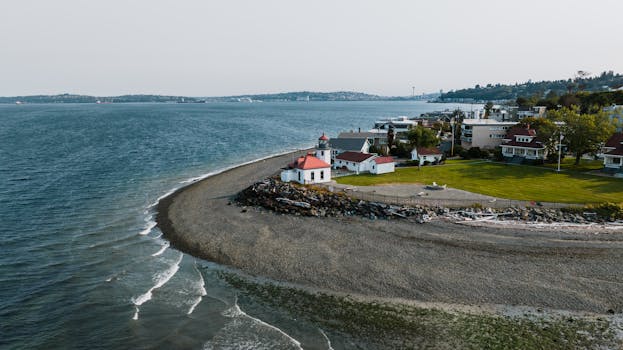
(560, 149)
(452, 125)
(413, 93)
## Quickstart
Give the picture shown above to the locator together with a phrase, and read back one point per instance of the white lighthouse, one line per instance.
(323, 151)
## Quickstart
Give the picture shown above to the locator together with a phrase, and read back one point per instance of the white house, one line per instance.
(354, 161)
(522, 142)
(400, 124)
(613, 153)
(422, 154)
(311, 168)
(382, 165)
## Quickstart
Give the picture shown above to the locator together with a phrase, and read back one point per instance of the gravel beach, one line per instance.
(440, 261)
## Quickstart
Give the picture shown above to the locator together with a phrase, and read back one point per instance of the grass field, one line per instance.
(521, 182)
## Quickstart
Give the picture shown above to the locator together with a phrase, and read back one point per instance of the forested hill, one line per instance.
(604, 82)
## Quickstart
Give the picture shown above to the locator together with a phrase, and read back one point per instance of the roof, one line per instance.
(615, 140)
(323, 137)
(360, 135)
(309, 162)
(486, 122)
(520, 131)
(533, 144)
(383, 160)
(428, 151)
(615, 152)
(348, 144)
(356, 157)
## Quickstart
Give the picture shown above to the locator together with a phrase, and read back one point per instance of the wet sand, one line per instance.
(439, 262)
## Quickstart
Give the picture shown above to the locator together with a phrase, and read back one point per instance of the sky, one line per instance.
(234, 47)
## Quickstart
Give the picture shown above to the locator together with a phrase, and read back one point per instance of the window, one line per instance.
(299, 176)
(321, 174)
(312, 175)
(322, 153)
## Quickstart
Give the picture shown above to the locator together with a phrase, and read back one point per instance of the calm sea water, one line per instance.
(82, 264)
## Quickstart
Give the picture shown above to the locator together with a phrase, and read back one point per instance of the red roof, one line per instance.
(520, 131)
(323, 137)
(615, 140)
(422, 151)
(383, 160)
(309, 162)
(356, 157)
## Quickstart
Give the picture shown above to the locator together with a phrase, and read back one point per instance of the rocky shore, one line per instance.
(291, 198)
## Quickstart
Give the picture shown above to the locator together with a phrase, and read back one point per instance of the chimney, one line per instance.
(528, 126)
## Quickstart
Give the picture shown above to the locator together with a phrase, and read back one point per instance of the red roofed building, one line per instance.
(522, 143)
(613, 153)
(354, 161)
(382, 165)
(311, 168)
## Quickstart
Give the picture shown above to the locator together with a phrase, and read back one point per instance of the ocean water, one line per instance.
(82, 264)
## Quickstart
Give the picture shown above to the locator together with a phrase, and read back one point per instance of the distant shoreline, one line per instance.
(435, 262)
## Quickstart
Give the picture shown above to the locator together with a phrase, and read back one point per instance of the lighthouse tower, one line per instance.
(323, 151)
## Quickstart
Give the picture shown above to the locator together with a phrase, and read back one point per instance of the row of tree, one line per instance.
(582, 132)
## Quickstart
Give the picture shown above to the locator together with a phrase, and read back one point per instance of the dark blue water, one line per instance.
(81, 263)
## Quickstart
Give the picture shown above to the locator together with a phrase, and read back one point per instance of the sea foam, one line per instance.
(161, 279)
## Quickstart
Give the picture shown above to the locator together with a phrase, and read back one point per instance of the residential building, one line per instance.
(376, 138)
(522, 144)
(534, 112)
(484, 133)
(382, 165)
(613, 154)
(400, 124)
(500, 114)
(357, 162)
(422, 154)
(341, 145)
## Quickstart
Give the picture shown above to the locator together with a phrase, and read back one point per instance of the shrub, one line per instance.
(612, 211)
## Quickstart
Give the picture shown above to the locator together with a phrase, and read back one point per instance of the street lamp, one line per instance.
(560, 149)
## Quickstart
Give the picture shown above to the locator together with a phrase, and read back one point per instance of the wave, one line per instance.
(329, 347)
(236, 312)
(202, 291)
(148, 227)
(164, 247)
(161, 279)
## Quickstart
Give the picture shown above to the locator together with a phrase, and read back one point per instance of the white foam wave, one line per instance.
(148, 227)
(202, 292)
(164, 247)
(161, 279)
(235, 311)
(329, 347)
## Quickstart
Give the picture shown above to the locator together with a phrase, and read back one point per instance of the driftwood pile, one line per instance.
(295, 199)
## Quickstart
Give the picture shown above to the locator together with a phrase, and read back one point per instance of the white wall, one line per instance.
(352, 166)
(306, 175)
(382, 168)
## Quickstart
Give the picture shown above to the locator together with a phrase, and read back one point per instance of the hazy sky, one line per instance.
(210, 48)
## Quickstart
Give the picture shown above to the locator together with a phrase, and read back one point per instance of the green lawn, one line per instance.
(519, 182)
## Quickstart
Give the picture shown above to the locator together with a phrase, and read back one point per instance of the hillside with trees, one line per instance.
(582, 82)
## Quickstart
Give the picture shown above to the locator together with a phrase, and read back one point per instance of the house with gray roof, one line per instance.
(341, 145)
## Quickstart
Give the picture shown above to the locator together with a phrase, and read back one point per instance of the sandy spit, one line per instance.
(437, 262)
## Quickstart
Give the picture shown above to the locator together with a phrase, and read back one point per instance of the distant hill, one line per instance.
(286, 96)
(606, 81)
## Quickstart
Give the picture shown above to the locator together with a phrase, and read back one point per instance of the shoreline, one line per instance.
(357, 256)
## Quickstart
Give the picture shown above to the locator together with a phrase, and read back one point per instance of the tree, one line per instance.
(422, 137)
(583, 133)
(488, 108)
